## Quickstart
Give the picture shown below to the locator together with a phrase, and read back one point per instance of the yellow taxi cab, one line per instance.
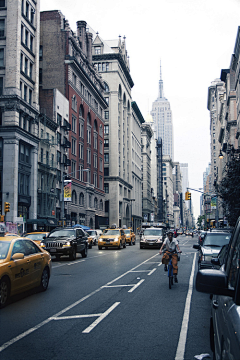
(23, 265)
(112, 237)
(36, 236)
(130, 236)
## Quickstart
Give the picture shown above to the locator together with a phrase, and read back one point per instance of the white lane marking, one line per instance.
(77, 262)
(184, 329)
(116, 286)
(75, 317)
(135, 286)
(21, 336)
(152, 271)
(127, 272)
(97, 321)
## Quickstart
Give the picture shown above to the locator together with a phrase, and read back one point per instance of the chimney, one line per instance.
(81, 34)
(89, 47)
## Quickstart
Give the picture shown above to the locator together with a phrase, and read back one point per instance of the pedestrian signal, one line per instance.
(6, 207)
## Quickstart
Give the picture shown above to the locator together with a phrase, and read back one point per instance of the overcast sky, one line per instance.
(194, 39)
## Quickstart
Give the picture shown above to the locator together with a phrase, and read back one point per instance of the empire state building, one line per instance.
(162, 118)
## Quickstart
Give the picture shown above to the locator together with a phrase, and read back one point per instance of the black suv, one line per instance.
(66, 241)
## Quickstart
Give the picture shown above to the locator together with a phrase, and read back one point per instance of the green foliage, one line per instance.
(229, 190)
(199, 220)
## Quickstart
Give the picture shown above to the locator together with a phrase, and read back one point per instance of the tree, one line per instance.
(200, 219)
(229, 189)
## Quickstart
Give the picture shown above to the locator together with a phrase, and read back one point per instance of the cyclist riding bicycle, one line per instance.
(171, 245)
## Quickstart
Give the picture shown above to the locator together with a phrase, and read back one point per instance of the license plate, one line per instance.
(53, 250)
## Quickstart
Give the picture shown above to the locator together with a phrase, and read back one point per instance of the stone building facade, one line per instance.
(19, 107)
(111, 60)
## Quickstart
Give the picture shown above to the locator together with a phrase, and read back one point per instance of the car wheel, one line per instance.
(73, 255)
(84, 252)
(134, 242)
(141, 247)
(44, 280)
(99, 247)
(120, 245)
(4, 292)
(130, 244)
(125, 245)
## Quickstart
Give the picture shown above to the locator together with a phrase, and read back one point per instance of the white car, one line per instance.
(95, 234)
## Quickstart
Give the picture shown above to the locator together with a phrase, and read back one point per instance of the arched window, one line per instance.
(119, 92)
(124, 99)
(81, 199)
(74, 197)
(101, 130)
(81, 111)
(74, 103)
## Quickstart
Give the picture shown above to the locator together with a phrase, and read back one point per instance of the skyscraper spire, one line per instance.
(160, 83)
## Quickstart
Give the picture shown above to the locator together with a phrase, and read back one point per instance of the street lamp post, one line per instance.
(64, 176)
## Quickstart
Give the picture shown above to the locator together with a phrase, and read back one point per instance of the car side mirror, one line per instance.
(213, 281)
(18, 256)
(44, 237)
(198, 247)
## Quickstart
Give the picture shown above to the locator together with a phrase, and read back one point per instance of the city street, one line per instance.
(114, 304)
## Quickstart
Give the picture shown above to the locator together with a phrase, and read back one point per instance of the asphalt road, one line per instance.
(115, 304)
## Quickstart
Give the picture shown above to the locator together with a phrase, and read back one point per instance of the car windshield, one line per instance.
(4, 246)
(216, 239)
(91, 232)
(63, 232)
(111, 232)
(154, 232)
(35, 236)
(126, 231)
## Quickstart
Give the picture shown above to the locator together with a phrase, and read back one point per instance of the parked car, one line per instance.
(36, 236)
(212, 244)
(152, 238)
(66, 241)
(225, 311)
(23, 265)
(112, 237)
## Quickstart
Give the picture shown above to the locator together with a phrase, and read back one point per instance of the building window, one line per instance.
(88, 156)
(95, 182)
(101, 164)
(81, 153)
(1, 57)
(106, 115)
(26, 38)
(32, 15)
(74, 124)
(2, 3)
(27, 10)
(26, 66)
(73, 169)
(106, 188)
(1, 85)
(95, 161)
(106, 158)
(30, 97)
(2, 27)
(40, 53)
(31, 43)
(97, 50)
(106, 143)
(30, 70)
(25, 92)
(101, 147)
(106, 129)
(73, 146)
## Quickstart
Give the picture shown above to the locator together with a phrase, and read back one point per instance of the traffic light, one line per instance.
(6, 207)
(189, 196)
(186, 195)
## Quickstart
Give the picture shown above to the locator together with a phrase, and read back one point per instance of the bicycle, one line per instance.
(170, 269)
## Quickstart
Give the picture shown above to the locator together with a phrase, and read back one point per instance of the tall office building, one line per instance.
(162, 117)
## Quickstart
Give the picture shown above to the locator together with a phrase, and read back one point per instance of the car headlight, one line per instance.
(143, 239)
(43, 245)
(68, 243)
(116, 240)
